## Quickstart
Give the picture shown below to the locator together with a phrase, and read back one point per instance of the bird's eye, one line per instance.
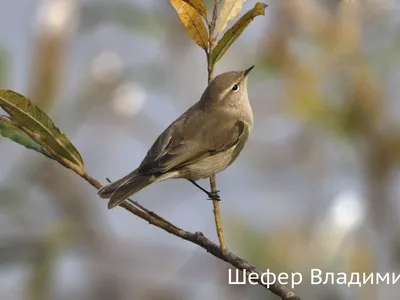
(235, 88)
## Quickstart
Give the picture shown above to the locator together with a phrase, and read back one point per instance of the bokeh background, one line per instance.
(317, 186)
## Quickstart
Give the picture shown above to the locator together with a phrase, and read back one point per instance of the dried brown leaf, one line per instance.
(230, 11)
(235, 31)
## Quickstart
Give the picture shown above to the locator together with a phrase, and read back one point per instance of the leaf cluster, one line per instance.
(195, 18)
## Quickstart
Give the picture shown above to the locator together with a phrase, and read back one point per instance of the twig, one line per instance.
(213, 184)
(199, 239)
(213, 23)
(217, 216)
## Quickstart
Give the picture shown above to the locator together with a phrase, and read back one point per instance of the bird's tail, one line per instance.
(121, 189)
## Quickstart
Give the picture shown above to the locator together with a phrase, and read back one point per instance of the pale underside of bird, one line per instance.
(202, 142)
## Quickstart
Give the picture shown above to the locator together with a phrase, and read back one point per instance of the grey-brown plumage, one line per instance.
(203, 141)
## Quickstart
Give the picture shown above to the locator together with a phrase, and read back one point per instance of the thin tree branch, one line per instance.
(199, 239)
(213, 22)
(217, 216)
(213, 183)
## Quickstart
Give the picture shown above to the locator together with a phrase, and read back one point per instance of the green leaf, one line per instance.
(38, 126)
(235, 31)
(199, 6)
(11, 131)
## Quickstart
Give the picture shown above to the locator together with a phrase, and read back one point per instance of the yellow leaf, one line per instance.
(191, 19)
(230, 11)
(199, 6)
(235, 31)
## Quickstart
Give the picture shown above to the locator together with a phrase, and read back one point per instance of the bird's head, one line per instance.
(228, 88)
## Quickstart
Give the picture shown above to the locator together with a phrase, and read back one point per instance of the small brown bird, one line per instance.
(202, 142)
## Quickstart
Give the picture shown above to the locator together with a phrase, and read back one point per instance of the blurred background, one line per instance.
(317, 186)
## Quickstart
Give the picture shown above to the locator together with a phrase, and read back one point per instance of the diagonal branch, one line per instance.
(199, 239)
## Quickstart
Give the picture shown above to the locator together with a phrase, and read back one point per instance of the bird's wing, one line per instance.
(192, 138)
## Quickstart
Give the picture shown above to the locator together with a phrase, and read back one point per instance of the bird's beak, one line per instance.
(246, 72)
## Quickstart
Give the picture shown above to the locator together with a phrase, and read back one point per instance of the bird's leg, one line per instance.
(213, 196)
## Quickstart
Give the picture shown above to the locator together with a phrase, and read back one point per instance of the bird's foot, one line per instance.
(214, 196)
(211, 195)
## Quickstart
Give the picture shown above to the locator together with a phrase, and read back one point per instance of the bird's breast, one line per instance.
(209, 166)
(242, 111)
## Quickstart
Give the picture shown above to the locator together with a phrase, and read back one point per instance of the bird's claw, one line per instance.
(214, 196)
